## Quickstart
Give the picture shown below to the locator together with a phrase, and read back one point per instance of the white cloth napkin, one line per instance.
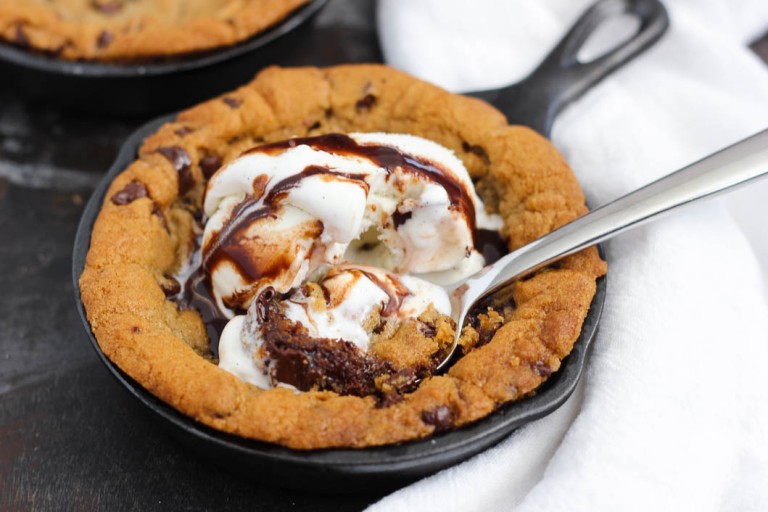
(672, 412)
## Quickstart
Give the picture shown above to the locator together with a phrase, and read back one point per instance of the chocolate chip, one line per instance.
(428, 329)
(485, 334)
(129, 193)
(108, 7)
(20, 36)
(104, 39)
(179, 157)
(365, 103)
(184, 130)
(399, 218)
(209, 164)
(476, 150)
(232, 102)
(170, 286)
(541, 368)
(135, 329)
(328, 113)
(441, 417)
(379, 327)
(394, 386)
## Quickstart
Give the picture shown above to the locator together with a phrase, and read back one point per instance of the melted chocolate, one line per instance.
(129, 193)
(491, 245)
(227, 243)
(232, 102)
(441, 417)
(386, 157)
(209, 164)
(365, 103)
(300, 360)
(196, 294)
(396, 292)
(399, 218)
(170, 286)
(327, 364)
(179, 157)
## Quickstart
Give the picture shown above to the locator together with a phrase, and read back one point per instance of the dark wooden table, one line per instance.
(70, 437)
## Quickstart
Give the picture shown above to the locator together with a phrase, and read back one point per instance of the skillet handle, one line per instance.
(561, 78)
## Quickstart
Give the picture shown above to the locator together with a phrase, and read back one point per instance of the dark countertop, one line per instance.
(70, 437)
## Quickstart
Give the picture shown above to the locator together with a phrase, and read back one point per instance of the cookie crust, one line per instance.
(135, 30)
(138, 243)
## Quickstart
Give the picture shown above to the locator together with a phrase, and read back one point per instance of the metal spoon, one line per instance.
(735, 165)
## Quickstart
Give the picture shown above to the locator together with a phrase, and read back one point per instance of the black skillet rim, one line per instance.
(413, 458)
(47, 63)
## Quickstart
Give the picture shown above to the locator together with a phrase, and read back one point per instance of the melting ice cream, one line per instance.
(359, 217)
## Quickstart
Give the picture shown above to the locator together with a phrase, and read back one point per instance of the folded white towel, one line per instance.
(671, 414)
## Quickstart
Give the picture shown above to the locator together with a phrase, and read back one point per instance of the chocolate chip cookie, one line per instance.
(135, 30)
(149, 227)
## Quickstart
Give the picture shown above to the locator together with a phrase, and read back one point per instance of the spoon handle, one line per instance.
(735, 165)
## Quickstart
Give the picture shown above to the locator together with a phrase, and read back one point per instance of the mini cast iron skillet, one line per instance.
(154, 87)
(558, 81)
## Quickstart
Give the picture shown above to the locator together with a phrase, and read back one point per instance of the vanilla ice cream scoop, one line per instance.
(282, 212)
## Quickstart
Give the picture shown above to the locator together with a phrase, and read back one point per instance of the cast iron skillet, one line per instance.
(153, 87)
(558, 81)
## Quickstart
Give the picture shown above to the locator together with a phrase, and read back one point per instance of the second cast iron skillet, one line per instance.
(149, 88)
(535, 101)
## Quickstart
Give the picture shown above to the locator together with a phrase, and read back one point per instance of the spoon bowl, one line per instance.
(724, 170)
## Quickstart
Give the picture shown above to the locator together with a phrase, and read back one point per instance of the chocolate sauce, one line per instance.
(179, 157)
(328, 364)
(491, 245)
(196, 294)
(399, 218)
(365, 103)
(227, 243)
(396, 292)
(209, 164)
(308, 364)
(388, 158)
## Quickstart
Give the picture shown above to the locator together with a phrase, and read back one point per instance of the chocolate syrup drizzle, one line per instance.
(196, 294)
(225, 245)
(396, 291)
(386, 157)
